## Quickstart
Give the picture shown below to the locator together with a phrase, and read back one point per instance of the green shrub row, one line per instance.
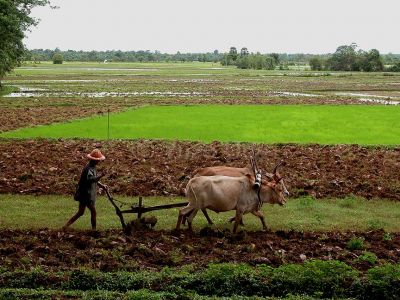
(314, 278)
(20, 294)
(92, 295)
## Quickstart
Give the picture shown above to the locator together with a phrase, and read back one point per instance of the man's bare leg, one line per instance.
(81, 211)
(93, 215)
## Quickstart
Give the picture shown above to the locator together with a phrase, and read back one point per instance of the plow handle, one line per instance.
(117, 210)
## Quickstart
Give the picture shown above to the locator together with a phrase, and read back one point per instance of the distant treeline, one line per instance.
(345, 58)
(121, 56)
(348, 58)
(148, 56)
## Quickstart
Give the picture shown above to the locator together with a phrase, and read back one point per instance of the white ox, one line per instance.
(238, 172)
(223, 193)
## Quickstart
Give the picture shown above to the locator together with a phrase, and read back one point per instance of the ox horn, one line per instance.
(254, 163)
(277, 166)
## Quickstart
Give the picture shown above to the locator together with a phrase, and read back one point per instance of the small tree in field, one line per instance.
(315, 64)
(58, 59)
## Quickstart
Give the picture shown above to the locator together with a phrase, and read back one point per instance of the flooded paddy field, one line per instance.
(119, 86)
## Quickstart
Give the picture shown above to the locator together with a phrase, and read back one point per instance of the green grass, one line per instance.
(303, 214)
(5, 90)
(351, 124)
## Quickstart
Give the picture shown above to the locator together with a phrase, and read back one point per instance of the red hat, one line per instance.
(96, 155)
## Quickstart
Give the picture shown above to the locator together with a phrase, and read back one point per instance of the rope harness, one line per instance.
(258, 185)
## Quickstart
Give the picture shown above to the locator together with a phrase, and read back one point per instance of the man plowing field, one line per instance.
(87, 189)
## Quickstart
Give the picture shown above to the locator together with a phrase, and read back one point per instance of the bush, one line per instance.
(58, 59)
(368, 257)
(387, 236)
(121, 281)
(323, 279)
(382, 283)
(394, 68)
(228, 279)
(355, 244)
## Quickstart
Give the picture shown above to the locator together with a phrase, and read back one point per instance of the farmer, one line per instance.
(87, 188)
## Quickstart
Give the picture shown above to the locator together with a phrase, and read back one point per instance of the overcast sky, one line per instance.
(291, 26)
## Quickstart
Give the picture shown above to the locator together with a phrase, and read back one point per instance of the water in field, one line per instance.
(372, 98)
(90, 69)
(31, 93)
(292, 94)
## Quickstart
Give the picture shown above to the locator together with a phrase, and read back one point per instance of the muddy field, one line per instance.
(152, 250)
(150, 168)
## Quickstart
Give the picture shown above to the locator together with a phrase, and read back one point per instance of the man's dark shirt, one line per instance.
(87, 186)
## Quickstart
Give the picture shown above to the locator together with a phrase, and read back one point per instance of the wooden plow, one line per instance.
(138, 208)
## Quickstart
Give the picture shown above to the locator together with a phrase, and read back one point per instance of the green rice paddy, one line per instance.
(323, 124)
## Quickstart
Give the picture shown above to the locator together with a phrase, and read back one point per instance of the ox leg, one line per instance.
(238, 218)
(185, 218)
(210, 222)
(261, 216)
(182, 213)
(233, 219)
(190, 218)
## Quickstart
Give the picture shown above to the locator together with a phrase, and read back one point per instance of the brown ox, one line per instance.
(238, 172)
(223, 193)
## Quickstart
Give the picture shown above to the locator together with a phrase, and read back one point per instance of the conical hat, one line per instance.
(96, 155)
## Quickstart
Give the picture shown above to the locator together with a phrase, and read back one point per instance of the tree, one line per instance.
(344, 59)
(395, 67)
(244, 52)
(243, 62)
(275, 56)
(269, 63)
(233, 54)
(371, 61)
(315, 63)
(58, 59)
(14, 21)
(257, 61)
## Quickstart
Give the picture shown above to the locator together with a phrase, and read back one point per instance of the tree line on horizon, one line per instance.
(349, 58)
(345, 58)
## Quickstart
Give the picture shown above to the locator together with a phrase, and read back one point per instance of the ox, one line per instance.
(238, 172)
(223, 193)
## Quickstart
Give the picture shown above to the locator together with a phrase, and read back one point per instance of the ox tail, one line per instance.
(196, 202)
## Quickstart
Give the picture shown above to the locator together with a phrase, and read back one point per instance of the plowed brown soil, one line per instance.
(163, 168)
(13, 118)
(112, 250)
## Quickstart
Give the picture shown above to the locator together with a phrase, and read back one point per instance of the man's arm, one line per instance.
(91, 178)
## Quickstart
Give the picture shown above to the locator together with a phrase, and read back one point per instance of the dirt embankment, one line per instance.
(111, 250)
(163, 168)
